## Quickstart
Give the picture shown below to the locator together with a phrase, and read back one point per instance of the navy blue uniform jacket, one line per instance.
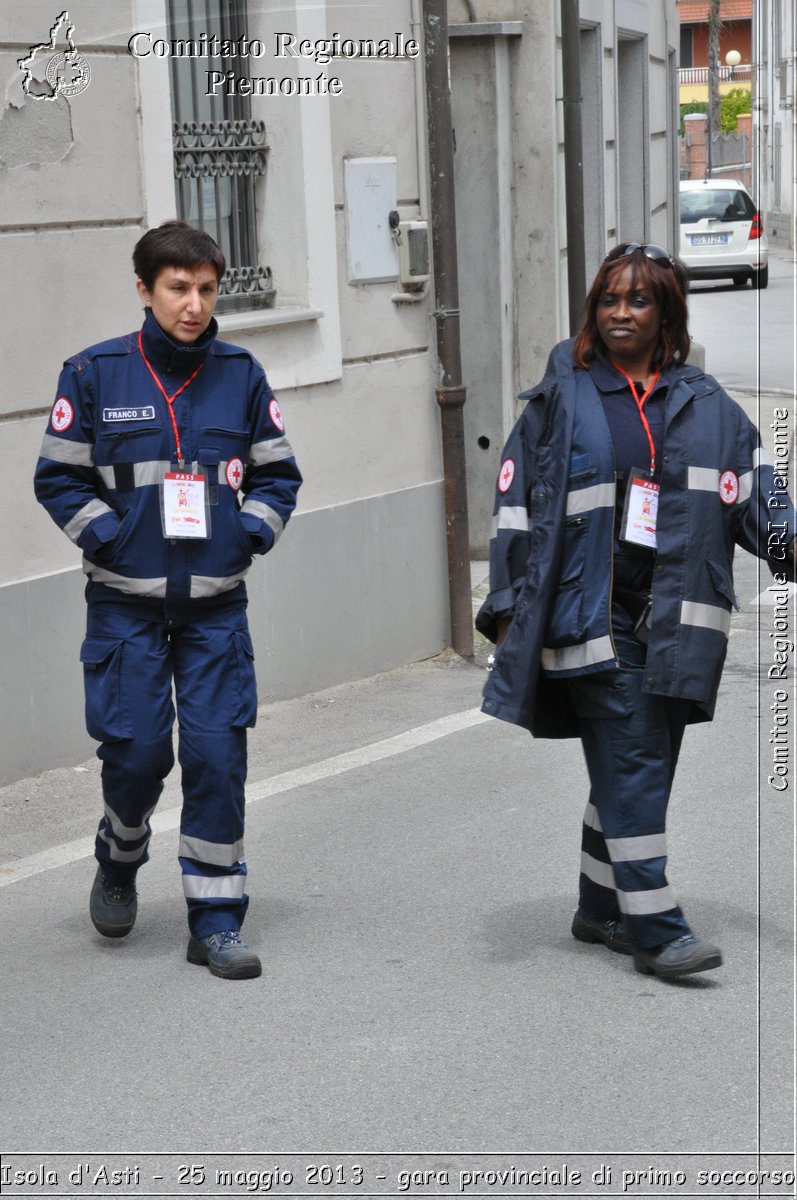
(551, 549)
(110, 441)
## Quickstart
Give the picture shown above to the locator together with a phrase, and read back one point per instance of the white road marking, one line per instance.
(775, 593)
(338, 764)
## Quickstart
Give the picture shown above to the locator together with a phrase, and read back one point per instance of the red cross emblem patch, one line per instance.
(235, 473)
(63, 415)
(276, 415)
(729, 487)
(506, 475)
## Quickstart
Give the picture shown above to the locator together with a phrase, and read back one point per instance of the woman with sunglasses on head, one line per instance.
(624, 488)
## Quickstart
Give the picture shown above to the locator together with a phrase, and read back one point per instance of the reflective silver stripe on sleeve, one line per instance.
(258, 509)
(706, 616)
(703, 479)
(122, 856)
(706, 479)
(591, 818)
(632, 849)
(600, 495)
(511, 518)
(82, 518)
(219, 854)
(145, 474)
(128, 833)
(645, 904)
(213, 585)
(762, 458)
(75, 454)
(273, 450)
(124, 583)
(569, 658)
(204, 887)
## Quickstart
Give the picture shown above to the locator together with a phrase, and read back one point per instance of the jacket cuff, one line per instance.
(260, 535)
(498, 604)
(98, 534)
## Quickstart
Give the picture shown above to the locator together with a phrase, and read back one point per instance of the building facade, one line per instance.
(507, 89)
(774, 162)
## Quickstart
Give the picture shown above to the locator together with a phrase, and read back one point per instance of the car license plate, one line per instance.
(709, 239)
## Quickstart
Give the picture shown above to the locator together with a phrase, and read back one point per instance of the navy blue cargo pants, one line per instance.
(130, 665)
(631, 742)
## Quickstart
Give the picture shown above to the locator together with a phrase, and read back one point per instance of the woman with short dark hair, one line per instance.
(623, 489)
(165, 461)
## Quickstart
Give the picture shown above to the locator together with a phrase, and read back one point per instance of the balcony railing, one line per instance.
(741, 74)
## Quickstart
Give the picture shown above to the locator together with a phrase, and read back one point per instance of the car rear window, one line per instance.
(729, 204)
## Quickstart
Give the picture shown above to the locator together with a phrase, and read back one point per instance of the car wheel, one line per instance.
(761, 277)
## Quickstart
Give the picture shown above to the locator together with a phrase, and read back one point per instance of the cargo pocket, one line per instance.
(107, 718)
(723, 585)
(565, 627)
(246, 707)
(606, 694)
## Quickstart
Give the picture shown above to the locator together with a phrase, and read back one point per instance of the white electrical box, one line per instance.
(414, 265)
(370, 189)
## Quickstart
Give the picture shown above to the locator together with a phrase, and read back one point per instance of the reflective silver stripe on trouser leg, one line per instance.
(212, 870)
(634, 904)
(218, 854)
(638, 850)
(596, 891)
(116, 831)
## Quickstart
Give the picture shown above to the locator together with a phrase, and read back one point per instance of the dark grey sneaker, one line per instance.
(225, 955)
(112, 907)
(682, 956)
(612, 933)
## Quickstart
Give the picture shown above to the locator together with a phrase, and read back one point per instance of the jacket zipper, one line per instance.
(611, 576)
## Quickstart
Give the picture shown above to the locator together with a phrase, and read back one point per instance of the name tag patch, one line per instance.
(147, 413)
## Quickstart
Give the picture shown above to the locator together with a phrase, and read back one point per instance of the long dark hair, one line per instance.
(653, 268)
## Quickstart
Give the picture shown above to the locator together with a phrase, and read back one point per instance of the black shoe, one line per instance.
(682, 956)
(112, 907)
(612, 933)
(225, 955)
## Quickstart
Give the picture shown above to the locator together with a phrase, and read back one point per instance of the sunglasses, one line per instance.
(657, 253)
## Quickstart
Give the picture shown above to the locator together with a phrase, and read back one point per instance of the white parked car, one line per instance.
(722, 233)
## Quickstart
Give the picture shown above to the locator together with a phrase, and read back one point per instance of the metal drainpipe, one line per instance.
(450, 393)
(574, 161)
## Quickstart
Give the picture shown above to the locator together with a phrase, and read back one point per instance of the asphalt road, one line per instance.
(749, 335)
(421, 990)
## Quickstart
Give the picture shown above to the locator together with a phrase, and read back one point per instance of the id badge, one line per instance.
(639, 513)
(185, 512)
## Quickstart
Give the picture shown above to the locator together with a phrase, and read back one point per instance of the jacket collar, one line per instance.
(169, 357)
(608, 379)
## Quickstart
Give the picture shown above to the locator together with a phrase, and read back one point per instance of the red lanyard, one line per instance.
(170, 399)
(640, 403)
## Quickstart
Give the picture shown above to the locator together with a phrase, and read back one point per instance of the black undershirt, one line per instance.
(633, 565)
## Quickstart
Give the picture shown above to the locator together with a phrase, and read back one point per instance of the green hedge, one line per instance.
(737, 100)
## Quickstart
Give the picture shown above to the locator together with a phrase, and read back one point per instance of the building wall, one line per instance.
(734, 35)
(511, 223)
(359, 582)
(774, 166)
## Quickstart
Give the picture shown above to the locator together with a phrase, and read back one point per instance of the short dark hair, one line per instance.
(175, 244)
(669, 282)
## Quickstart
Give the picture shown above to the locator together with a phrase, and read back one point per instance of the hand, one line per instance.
(503, 629)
